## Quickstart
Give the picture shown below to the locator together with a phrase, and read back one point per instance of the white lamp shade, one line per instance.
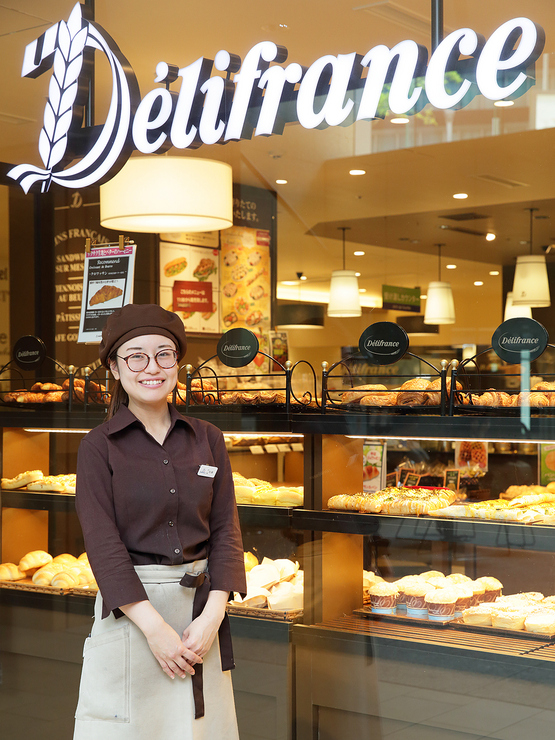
(344, 296)
(531, 285)
(168, 194)
(512, 311)
(440, 307)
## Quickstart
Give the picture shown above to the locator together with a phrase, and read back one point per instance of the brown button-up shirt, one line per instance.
(140, 502)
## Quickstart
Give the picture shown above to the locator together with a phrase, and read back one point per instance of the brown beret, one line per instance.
(136, 320)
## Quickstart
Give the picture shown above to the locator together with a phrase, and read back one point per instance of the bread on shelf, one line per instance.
(34, 560)
(21, 480)
(10, 572)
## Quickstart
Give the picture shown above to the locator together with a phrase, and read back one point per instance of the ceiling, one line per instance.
(398, 208)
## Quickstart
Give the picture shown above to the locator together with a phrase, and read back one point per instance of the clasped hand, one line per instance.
(175, 657)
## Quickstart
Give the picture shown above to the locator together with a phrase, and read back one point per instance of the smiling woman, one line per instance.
(163, 539)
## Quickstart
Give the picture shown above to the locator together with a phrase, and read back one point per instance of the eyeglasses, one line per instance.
(138, 361)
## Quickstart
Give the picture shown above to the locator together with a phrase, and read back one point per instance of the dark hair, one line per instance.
(118, 393)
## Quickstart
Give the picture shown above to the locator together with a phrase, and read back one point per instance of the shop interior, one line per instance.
(383, 198)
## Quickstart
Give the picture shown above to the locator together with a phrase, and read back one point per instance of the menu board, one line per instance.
(189, 285)
(245, 279)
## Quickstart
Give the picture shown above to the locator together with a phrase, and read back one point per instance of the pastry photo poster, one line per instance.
(547, 464)
(189, 281)
(107, 285)
(374, 465)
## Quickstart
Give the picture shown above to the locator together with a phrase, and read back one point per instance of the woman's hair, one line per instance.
(118, 393)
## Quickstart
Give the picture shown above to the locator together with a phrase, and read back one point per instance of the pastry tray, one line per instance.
(26, 584)
(293, 615)
(402, 619)
(485, 630)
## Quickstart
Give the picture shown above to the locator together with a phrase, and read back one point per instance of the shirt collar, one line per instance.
(124, 418)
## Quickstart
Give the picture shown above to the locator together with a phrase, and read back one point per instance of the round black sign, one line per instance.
(384, 343)
(29, 352)
(237, 347)
(517, 336)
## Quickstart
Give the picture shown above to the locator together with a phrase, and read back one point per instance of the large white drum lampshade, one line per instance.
(160, 194)
(440, 307)
(513, 312)
(344, 296)
(531, 284)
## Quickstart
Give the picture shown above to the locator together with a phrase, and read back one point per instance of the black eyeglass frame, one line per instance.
(149, 358)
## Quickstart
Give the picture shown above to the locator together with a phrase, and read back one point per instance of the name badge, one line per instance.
(207, 471)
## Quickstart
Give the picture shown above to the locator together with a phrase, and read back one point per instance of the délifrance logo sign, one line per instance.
(255, 97)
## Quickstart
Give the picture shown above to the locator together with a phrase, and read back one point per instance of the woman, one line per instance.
(156, 503)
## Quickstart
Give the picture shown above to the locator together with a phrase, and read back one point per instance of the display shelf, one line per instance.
(272, 517)
(69, 603)
(354, 629)
(241, 419)
(531, 537)
(42, 501)
(424, 427)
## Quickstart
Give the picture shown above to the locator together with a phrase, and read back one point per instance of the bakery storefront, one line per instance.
(363, 268)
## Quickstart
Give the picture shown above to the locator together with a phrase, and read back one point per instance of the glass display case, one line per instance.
(334, 669)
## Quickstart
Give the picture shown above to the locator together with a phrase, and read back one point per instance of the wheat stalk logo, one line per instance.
(63, 47)
(64, 85)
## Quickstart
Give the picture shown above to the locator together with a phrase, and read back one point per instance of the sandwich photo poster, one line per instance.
(246, 299)
(189, 285)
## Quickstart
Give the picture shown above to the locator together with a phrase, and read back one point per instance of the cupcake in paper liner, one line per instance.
(427, 574)
(458, 579)
(401, 596)
(383, 597)
(441, 604)
(464, 599)
(415, 598)
(493, 587)
(478, 592)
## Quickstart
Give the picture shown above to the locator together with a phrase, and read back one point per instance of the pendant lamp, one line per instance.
(512, 311)
(531, 284)
(440, 307)
(167, 195)
(344, 296)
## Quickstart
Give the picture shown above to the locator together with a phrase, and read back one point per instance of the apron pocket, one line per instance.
(104, 688)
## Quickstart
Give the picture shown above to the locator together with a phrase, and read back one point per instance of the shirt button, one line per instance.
(171, 524)
(177, 551)
(166, 462)
(172, 490)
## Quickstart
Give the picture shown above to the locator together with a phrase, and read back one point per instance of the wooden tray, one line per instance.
(26, 584)
(367, 613)
(485, 630)
(82, 591)
(294, 615)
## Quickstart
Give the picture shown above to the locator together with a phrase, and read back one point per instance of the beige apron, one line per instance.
(125, 695)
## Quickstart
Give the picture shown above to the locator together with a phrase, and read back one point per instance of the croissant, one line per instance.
(356, 394)
(46, 387)
(65, 557)
(34, 559)
(411, 392)
(65, 579)
(44, 575)
(379, 398)
(434, 399)
(55, 396)
(544, 385)
(10, 572)
(532, 398)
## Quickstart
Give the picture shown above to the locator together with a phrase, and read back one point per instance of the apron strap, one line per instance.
(201, 583)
